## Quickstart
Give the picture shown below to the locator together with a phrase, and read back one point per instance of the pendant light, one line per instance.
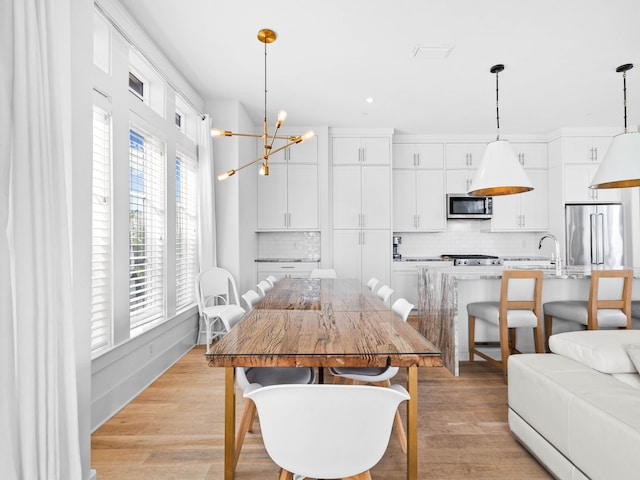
(265, 36)
(500, 172)
(621, 165)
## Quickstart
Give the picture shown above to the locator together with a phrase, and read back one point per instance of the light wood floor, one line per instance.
(174, 430)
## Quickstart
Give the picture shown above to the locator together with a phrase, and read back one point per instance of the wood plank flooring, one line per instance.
(174, 430)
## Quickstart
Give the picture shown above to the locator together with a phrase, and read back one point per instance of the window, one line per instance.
(179, 120)
(101, 232)
(146, 228)
(186, 230)
(136, 86)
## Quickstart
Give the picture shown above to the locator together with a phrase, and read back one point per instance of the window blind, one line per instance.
(186, 234)
(101, 231)
(146, 227)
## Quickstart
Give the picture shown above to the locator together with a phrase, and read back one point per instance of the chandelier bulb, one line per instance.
(282, 116)
(216, 132)
(223, 176)
(264, 169)
(304, 137)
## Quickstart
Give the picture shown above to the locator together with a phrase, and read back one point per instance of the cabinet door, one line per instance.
(272, 198)
(464, 155)
(376, 151)
(302, 198)
(376, 255)
(305, 152)
(376, 197)
(506, 213)
(531, 155)
(346, 197)
(577, 178)
(459, 181)
(585, 149)
(534, 205)
(430, 200)
(404, 155)
(404, 200)
(429, 155)
(346, 253)
(346, 150)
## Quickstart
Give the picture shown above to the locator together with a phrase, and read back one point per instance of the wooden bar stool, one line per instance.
(520, 305)
(609, 305)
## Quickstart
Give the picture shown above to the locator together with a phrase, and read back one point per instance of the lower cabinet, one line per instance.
(284, 269)
(362, 254)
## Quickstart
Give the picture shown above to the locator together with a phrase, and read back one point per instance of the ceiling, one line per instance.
(559, 55)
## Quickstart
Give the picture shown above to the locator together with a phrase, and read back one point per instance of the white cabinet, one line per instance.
(464, 155)
(288, 197)
(459, 181)
(362, 254)
(585, 149)
(531, 155)
(418, 200)
(578, 177)
(284, 269)
(527, 211)
(361, 196)
(418, 155)
(305, 152)
(361, 150)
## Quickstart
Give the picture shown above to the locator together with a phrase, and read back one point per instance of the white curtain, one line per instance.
(206, 197)
(38, 398)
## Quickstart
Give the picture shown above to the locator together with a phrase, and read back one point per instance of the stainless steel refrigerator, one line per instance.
(595, 234)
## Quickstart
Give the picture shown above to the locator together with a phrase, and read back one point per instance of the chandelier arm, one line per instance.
(254, 135)
(248, 164)
(291, 142)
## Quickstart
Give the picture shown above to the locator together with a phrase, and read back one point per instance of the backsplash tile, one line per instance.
(294, 245)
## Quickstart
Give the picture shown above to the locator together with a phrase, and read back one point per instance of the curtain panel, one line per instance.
(38, 394)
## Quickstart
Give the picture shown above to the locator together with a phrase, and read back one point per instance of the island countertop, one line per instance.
(495, 272)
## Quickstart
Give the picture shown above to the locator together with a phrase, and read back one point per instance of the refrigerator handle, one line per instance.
(597, 241)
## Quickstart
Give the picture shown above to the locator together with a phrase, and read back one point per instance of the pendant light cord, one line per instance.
(624, 90)
(497, 108)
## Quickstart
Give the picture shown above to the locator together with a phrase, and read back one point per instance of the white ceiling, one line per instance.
(330, 55)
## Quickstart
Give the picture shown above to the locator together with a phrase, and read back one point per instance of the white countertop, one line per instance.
(495, 272)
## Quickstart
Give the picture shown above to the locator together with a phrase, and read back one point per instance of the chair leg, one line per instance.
(402, 436)
(548, 325)
(512, 341)
(248, 413)
(504, 347)
(537, 339)
(472, 337)
(285, 475)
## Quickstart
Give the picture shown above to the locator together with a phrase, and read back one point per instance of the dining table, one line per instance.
(312, 322)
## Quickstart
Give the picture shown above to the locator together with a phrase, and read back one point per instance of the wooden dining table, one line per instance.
(322, 323)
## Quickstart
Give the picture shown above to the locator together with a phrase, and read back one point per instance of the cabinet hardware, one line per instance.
(285, 219)
(595, 151)
(287, 267)
(363, 220)
(417, 221)
(288, 219)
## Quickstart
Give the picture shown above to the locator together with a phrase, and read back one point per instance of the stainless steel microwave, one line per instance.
(461, 205)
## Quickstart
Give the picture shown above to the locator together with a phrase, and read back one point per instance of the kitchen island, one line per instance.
(444, 293)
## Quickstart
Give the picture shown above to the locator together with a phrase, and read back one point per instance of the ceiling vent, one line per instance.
(431, 51)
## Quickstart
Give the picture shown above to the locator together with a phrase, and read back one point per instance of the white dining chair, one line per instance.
(323, 273)
(378, 375)
(251, 297)
(326, 431)
(373, 284)
(215, 291)
(264, 287)
(264, 376)
(271, 279)
(384, 293)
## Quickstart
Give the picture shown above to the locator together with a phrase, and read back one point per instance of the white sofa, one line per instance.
(577, 410)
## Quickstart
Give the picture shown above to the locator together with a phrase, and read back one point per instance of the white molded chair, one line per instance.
(384, 293)
(264, 287)
(264, 376)
(378, 375)
(271, 279)
(326, 431)
(323, 273)
(608, 306)
(251, 297)
(373, 284)
(520, 305)
(215, 291)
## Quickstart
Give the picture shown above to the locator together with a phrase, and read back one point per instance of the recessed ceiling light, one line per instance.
(369, 100)
(432, 51)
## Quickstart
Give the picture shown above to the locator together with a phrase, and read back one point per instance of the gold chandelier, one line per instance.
(265, 36)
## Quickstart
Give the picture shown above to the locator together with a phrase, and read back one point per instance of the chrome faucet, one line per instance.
(558, 260)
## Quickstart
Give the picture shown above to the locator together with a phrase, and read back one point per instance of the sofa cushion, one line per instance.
(602, 350)
(634, 354)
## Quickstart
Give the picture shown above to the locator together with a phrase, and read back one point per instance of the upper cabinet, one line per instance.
(531, 155)
(527, 211)
(361, 150)
(462, 161)
(581, 157)
(304, 152)
(418, 155)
